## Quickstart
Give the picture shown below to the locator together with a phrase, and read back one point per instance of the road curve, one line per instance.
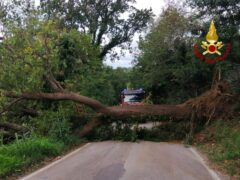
(128, 161)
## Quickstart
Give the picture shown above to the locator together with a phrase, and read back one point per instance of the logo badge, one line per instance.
(212, 47)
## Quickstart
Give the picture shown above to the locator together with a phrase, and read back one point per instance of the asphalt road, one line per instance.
(128, 161)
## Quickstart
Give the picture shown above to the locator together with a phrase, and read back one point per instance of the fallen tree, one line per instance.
(218, 102)
(45, 58)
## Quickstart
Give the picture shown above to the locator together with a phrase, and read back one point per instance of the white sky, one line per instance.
(125, 61)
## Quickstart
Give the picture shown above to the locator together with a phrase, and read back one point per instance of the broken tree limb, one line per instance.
(12, 126)
(10, 105)
(30, 112)
(53, 83)
(5, 133)
(177, 111)
(94, 122)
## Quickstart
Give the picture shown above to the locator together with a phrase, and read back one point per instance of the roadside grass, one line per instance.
(222, 145)
(25, 152)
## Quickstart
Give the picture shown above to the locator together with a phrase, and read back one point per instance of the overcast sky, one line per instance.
(125, 61)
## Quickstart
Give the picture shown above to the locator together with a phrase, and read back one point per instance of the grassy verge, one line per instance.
(25, 152)
(222, 145)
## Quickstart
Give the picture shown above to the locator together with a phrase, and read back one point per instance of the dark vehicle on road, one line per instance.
(132, 97)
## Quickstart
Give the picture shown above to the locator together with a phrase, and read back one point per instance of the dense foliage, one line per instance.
(37, 49)
(110, 23)
(66, 42)
(167, 65)
(166, 62)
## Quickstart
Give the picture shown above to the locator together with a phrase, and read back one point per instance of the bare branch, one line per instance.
(13, 126)
(54, 84)
(10, 105)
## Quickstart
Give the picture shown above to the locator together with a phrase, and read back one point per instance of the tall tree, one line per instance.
(225, 12)
(166, 63)
(111, 23)
(227, 19)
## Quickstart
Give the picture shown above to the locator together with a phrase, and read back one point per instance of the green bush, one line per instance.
(54, 123)
(21, 153)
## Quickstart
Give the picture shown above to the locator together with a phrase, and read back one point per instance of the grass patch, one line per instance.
(22, 153)
(223, 145)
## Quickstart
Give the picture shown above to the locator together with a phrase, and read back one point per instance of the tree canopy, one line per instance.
(110, 23)
(166, 61)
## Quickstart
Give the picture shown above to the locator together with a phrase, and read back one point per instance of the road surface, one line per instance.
(128, 161)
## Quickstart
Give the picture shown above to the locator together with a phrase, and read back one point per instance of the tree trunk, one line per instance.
(215, 103)
(177, 111)
(11, 126)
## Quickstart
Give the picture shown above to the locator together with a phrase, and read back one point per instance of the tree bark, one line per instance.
(177, 111)
(12, 126)
(30, 112)
(10, 105)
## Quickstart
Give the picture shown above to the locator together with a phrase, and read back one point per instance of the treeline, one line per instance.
(66, 42)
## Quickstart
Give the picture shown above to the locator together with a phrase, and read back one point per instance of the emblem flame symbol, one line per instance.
(212, 45)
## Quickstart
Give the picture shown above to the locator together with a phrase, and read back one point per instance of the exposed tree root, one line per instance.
(215, 103)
